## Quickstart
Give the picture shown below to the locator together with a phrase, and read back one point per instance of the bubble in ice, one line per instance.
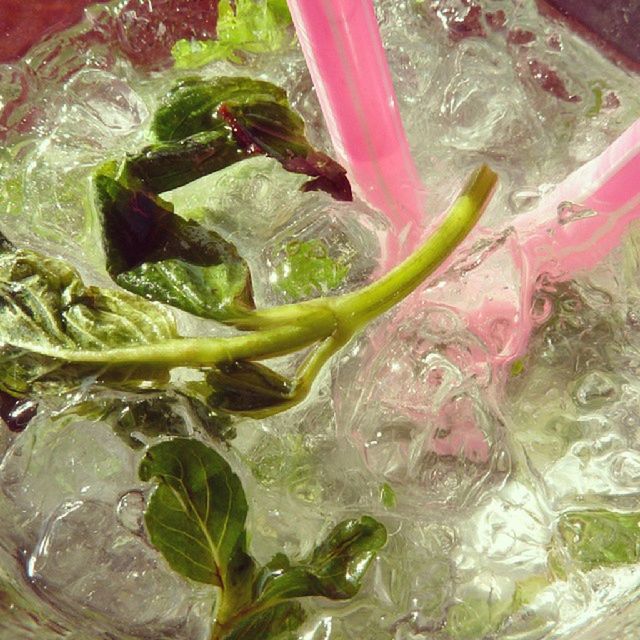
(570, 212)
(522, 200)
(130, 511)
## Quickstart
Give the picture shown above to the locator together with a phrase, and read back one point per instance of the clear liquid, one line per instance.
(482, 462)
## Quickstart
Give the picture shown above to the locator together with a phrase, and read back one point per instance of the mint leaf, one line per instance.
(387, 496)
(246, 387)
(600, 538)
(476, 618)
(190, 106)
(277, 131)
(196, 515)
(169, 165)
(307, 269)
(276, 623)
(138, 417)
(334, 570)
(162, 257)
(46, 310)
(256, 118)
(250, 26)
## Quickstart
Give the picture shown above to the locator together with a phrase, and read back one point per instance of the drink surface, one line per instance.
(510, 494)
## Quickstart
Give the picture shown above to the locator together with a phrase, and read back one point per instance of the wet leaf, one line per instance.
(599, 538)
(196, 515)
(277, 131)
(158, 255)
(169, 165)
(308, 269)
(191, 106)
(334, 570)
(250, 26)
(46, 308)
(276, 623)
(256, 118)
(244, 387)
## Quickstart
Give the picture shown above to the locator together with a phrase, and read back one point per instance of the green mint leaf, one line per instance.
(334, 570)
(158, 255)
(257, 119)
(252, 26)
(387, 496)
(276, 623)
(600, 538)
(278, 131)
(196, 515)
(308, 270)
(476, 618)
(45, 308)
(244, 387)
(169, 165)
(191, 105)
(150, 417)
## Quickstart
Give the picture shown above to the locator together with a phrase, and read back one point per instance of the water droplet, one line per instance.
(541, 308)
(524, 199)
(594, 390)
(570, 212)
(130, 511)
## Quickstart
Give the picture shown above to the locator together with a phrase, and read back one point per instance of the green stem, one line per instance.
(354, 310)
(289, 328)
(358, 308)
(198, 352)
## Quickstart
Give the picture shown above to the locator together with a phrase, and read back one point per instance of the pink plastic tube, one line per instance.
(573, 228)
(341, 43)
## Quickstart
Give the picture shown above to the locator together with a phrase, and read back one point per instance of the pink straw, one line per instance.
(341, 43)
(574, 227)
(603, 199)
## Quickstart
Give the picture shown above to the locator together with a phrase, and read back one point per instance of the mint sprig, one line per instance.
(54, 328)
(196, 519)
(203, 126)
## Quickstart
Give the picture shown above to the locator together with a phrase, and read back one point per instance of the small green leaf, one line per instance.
(387, 496)
(150, 417)
(257, 118)
(169, 165)
(517, 367)
(596, 107)
(475, 618)
(253, 27)
(307, 269)
(245, 387)
(191, 106)
(162, 257)
(334, 570)
(276, 623)
(136, 417)
(45, 308)
(599, 538)
(196, 515)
